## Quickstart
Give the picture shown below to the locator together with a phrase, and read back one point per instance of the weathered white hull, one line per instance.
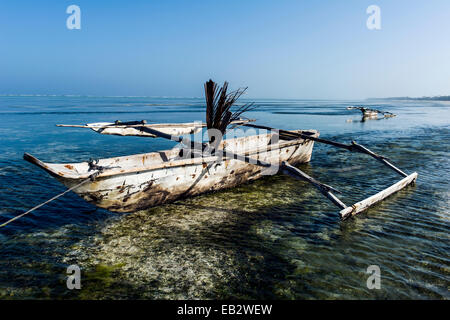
(141, 181)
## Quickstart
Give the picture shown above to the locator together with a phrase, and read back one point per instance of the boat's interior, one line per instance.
(169, 158)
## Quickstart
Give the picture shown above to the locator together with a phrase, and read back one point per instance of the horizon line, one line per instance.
(192, 97)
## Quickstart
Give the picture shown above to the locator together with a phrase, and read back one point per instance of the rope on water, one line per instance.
(91, 178)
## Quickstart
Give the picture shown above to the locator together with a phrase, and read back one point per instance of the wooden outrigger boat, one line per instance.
(140, 181)
(130, 183)
(368, 113)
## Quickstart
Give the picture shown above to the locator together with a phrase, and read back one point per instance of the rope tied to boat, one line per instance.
(89, 179)
(93, 165)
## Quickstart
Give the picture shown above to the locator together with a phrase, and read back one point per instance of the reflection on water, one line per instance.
(274, 238)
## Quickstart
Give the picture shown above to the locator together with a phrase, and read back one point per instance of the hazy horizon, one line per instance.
(201, 97)
(278, 49)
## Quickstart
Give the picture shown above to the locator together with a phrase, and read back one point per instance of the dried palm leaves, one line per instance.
(218, 105)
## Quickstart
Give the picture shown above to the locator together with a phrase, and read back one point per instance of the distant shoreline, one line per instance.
(438, 98)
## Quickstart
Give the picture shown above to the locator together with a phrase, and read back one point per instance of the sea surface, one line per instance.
(275, 238)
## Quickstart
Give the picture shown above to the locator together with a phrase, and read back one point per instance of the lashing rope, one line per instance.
(91, 178)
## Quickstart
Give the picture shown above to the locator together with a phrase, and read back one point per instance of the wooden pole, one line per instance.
(382, 159)
(300, 135)
(323, 188)
(353, 147)
(368, 202)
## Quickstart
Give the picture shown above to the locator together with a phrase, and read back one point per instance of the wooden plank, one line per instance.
(366, 203)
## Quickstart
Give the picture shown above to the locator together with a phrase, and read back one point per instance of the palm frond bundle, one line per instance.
(218, 105)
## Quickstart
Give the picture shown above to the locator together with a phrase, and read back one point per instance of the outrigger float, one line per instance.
(130, 183)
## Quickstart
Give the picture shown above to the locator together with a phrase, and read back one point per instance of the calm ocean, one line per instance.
(276, 238)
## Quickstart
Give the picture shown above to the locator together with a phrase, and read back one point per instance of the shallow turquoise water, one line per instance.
(274, 238)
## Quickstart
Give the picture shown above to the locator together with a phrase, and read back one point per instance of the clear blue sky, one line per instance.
(279, 49)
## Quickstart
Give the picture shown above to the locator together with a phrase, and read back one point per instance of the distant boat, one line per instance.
(371, 113)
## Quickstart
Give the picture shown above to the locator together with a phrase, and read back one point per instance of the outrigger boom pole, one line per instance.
(354, 147)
